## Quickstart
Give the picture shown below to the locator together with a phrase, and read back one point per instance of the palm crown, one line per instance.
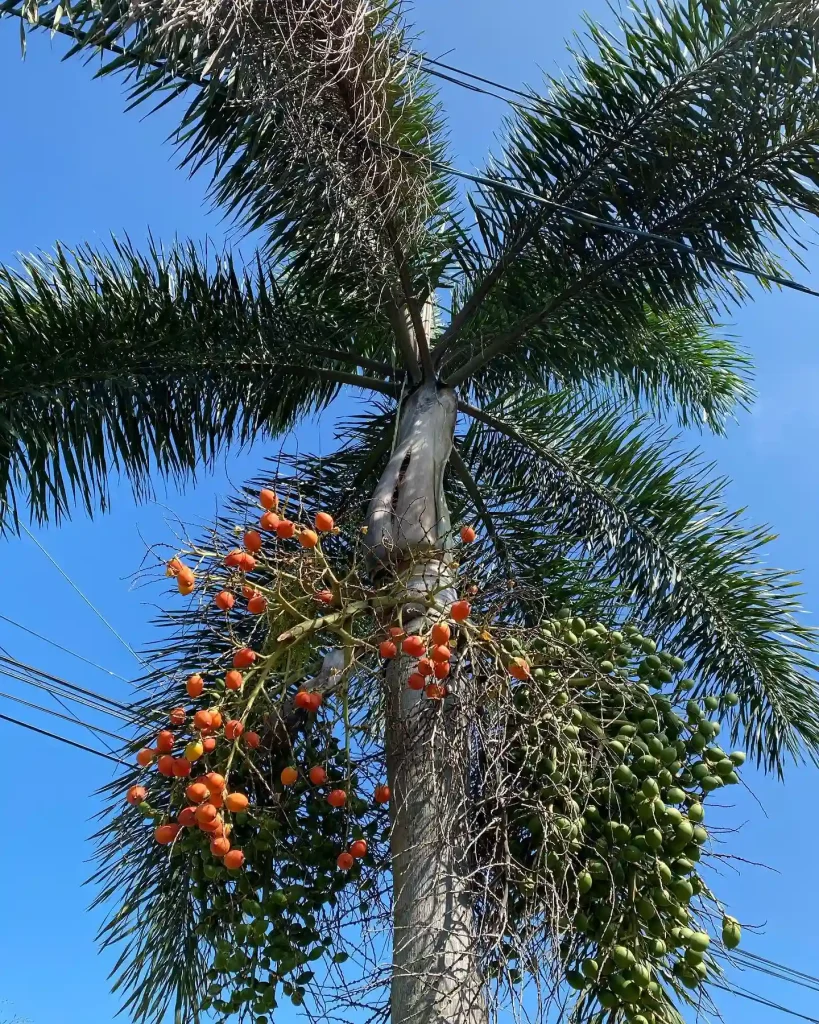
(582, 278)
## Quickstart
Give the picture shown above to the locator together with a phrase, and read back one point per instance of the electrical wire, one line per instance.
(616, 227)
(65, 650)
(90, 604)
(65, 718)
(37, 677)
(63, 739)
(756, 998)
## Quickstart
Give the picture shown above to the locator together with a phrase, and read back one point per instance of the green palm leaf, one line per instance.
(655, 523)
(121, 362)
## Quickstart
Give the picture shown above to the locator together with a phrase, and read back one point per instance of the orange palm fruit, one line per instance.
(268, 499)
(195, 685)
(308, 538)
(136, 794)
(236, 802)
(324, 522)
(440, 633)
(252, 540)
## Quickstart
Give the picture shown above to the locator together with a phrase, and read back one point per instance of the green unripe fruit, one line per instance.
(681, 913)
(627, 730)
(646, 764)
(608, 1000)
(684, 831)
(682, 889)
(664, 676)
(731, 779)
(700, 835)
(686, 684)
(648, 645)
(661, 897)
(576, 980)
(664, 871)
(711, 782)
(693, 710)
(581, 923)
(623, 957)
(668, 755)
(621, 832)
(693, 957)
(731, 932)
(714, 754)
(731, 699)
(646, 909)
(647, 726)
(569, 638)
(700, 770)
(606, 666)
(638, 1018)
(590, 968)
(724, 768)
(653, 661)
(672, 816)
(697, 743)
(617, 747)
(675, 795)
(657, 947)
(737, 758)
(712, 703)
(579, 625)
(683, 866)
(584, 882)
(654, 838)
(699, 941)
(650, 788)
(623, 775)
(571, 731)
(696, 813)
(632, 854)
(640, 974)
(655, 746)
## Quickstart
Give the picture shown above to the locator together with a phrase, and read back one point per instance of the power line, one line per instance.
(616, 227)
(19, 670)
(65, 650)
(65, 718)
(756, 998)
(93, 607)
(63, 739)
(55, 692)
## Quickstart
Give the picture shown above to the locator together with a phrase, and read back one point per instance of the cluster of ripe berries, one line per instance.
(206, 797)
(337, 798)
(244, 559)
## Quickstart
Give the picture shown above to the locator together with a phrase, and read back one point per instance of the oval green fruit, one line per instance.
(623, 956)
(584, 882)
(731, 699)
(737, 758)
(731, 932)
(699, 941)
(675, 795)
(576, 980)
(711, 702)
(711, 782)
(696, 812)
(590, 968)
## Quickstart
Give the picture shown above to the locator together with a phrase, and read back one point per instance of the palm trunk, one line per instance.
(435, 978)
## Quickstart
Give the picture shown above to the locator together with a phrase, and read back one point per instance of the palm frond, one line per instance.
(115, 361)
(655, 523)
(301, 122)
(699, 124)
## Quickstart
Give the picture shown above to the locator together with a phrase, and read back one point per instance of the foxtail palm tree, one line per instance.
(524, 351)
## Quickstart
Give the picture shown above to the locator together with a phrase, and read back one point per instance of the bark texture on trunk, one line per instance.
(435, 977)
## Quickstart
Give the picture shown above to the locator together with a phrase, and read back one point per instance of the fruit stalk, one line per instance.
(435, 976)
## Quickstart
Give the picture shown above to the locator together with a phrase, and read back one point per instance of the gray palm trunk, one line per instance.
(435, 975)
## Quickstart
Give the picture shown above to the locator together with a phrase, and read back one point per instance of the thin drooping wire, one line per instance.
(62, 739)
(756, 998)
(606, 225)
(90, 604)
(65, 650)
(71, 717)
(750, 961)
(11, 666)
(56, 692)
(613, 226)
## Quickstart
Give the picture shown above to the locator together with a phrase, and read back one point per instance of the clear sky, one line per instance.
(76, 168)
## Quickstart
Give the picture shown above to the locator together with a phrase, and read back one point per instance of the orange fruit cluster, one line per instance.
(434, 653)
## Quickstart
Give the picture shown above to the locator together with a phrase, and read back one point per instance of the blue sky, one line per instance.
(76, 168)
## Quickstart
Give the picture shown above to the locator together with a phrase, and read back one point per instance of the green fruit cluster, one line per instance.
(613, 769)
